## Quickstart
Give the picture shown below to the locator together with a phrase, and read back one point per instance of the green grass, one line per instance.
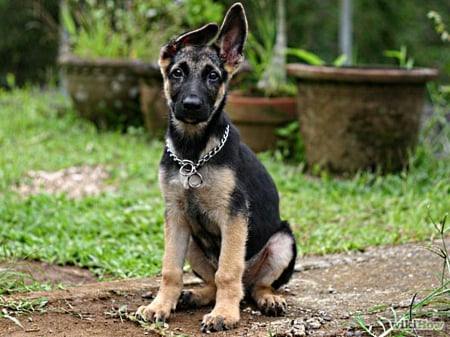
(120, 233)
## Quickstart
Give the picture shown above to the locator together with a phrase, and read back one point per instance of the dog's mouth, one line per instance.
(190, 116)
(190, 120)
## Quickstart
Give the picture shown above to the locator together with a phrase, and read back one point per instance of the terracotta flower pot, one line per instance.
(104, 91)
(359, 118)
(153, 103)
(258, 118)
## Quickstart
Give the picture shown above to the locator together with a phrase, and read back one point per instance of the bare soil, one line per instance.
(322, 296)
(76, 181)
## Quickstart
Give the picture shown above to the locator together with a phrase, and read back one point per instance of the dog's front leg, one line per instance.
(176, 241)
(228, 277)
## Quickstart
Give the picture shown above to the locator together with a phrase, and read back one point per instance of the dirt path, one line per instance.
(322, 296)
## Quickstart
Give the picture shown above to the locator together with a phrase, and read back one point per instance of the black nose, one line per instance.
(192, 102)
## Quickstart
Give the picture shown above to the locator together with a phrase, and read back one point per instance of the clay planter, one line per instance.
(153, 103)
(258, 118)
(104, 91)
(359, 118)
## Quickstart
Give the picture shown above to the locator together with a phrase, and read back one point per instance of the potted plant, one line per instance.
(358, 118)
(98, 73)
(265, 101)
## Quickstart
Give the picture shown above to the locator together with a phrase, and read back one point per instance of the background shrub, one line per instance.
(29, 40)
(378, 25)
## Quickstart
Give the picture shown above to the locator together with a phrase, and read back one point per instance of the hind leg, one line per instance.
(205, 270)
(270, 269)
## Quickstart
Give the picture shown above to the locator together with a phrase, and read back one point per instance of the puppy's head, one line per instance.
(196, 67)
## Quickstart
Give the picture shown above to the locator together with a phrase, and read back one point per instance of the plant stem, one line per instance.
(279, 54)
(275, 73)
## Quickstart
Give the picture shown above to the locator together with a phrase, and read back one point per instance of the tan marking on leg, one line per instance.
(228, 278)
(177, 236)
(219, 184)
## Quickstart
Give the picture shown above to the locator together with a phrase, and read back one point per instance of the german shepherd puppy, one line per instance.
(222, 207)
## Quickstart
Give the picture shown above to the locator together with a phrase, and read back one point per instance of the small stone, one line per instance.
(147, 295)
(297, 331)
(313, 323)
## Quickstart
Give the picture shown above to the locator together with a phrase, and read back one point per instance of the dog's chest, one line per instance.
(206, 209)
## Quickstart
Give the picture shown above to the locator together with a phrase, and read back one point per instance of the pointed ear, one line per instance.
(197, 37)
(232, 37)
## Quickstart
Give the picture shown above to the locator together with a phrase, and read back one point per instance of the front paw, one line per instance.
(157, 311)
(220, 319)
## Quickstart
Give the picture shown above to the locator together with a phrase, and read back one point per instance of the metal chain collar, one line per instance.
(189, 176)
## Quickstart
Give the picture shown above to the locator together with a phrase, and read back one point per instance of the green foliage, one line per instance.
(290, 145)
(439, 25)
(200, 12)
(401, 56)
(313, 59)
(95, 37)
(306, 56)
(139, 28)
(13, 280)
(117, 30)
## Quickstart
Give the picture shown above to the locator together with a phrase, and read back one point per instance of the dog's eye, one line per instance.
(177, 73)
(213, 75)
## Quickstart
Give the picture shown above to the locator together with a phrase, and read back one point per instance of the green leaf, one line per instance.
(14, 319)
(68, 21)
(305, 56)
(340, 60)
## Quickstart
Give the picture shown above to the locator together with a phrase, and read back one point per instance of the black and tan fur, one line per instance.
(229, 228)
